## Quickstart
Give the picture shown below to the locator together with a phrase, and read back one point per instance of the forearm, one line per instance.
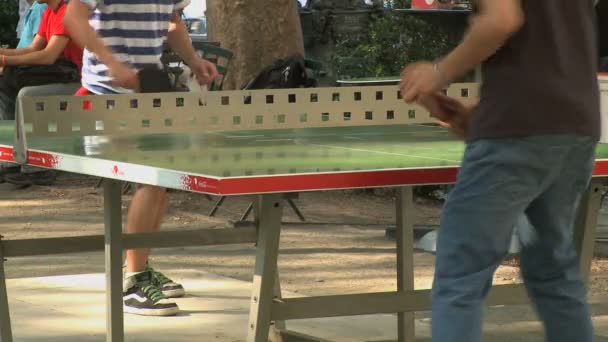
(77, 23)
(180, 42)
(15, 52)
(485, 36)
(37, 57)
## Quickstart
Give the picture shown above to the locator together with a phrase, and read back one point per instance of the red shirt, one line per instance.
(52, 25)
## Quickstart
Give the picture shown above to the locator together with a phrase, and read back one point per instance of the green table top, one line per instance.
(263, 153)
(267, 152)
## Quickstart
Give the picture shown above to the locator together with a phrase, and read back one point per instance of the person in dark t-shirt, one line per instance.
(530, 150)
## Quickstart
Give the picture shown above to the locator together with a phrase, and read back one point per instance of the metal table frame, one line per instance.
(113, 242)
(269, 310)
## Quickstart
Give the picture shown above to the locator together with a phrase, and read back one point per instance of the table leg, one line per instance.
(264, 277)
(287, 198)
(586, 225)
(296, 210)
(113, 254)
(278, 326)
(405, 259)
(216, 206)
(247, 212)
(6, 334)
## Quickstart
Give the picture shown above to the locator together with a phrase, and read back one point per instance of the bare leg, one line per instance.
(145, 216)
(161, 212)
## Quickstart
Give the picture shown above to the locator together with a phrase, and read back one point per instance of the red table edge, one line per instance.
(295, 182)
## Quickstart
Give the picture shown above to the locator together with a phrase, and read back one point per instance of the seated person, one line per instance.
(51, 43)
(24, 6)
(31, 24)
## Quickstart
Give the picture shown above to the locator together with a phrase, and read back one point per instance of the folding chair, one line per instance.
(219, 56)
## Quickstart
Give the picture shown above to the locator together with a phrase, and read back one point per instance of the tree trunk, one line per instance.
(257, 31)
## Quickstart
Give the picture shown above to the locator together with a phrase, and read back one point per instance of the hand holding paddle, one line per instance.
(450, 112)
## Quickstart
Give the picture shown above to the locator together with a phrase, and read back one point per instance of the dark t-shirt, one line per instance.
(602, 22)
(544, 80)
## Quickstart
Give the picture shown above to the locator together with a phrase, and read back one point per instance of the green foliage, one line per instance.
(399, 3)
(393, 40)
(9, 17)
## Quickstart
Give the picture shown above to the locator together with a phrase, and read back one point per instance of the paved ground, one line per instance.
(71, 308)
(340, 249)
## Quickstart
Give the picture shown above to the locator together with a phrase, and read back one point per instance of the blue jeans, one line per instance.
(542, 177)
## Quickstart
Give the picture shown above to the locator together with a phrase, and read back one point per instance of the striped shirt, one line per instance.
(134, 30)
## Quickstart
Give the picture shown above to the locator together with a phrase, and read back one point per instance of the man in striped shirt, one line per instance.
(122, 37)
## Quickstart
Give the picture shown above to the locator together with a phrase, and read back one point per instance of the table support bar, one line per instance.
(113, 255)
(586, 226)
(93, 243)
(6, 334)
(405, 259)
(380, 303)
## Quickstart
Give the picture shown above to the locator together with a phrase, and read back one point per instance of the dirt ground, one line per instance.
(341, 248)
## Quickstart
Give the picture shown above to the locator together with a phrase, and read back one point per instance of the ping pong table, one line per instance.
(262, 143)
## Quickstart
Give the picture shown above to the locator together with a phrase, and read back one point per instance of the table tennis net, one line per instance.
(223, 111)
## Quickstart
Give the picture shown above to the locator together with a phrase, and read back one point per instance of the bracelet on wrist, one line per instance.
(440, 75)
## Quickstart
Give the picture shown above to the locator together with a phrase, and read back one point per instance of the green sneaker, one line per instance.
(170, 288)
(142, 296)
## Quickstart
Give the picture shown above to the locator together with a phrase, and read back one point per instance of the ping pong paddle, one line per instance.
(451, 113)
(154, 80)
(439, 106)
(195, 87)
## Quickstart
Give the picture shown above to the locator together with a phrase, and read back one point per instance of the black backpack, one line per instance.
(29, 75)
(289, 72)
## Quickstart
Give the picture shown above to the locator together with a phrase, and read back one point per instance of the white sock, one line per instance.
(130, 274)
